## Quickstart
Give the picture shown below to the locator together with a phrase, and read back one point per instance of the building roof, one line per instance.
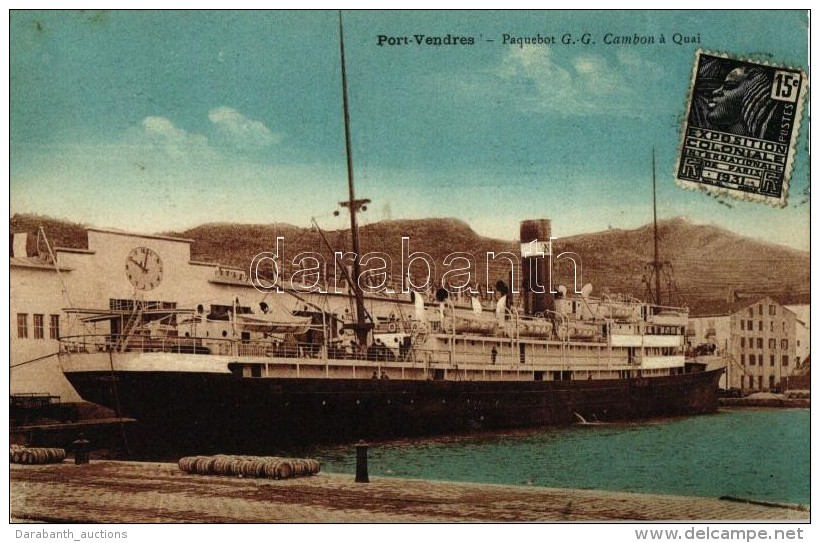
(730, 307)
(34, 262)
(136, 235)
(740, 306)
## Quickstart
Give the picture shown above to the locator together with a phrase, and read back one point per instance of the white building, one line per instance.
(764, 345)
(761, 342)
(107, 275)
(802, 333)
(709, 333)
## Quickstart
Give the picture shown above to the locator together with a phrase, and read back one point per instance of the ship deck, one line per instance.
(134, 492)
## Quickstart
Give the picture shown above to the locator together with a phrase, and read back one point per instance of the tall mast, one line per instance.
(657, 261)
(352, 203)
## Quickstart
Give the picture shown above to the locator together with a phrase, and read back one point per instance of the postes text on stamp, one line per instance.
(740, 130)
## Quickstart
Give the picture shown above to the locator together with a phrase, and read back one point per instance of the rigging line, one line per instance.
(118, 408)
(41, 232)
(38, 359)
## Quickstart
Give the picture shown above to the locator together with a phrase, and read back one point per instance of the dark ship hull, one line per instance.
(204, 412)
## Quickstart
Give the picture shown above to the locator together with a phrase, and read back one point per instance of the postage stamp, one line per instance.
(739, 135)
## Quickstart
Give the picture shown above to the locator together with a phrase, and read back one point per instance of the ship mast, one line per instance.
(657, 261)
(353, 206)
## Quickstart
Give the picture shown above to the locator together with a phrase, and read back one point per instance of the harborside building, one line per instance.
(764, 343)
(760, 342)
(55, 294)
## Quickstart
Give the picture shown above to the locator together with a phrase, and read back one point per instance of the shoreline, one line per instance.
(787, 403)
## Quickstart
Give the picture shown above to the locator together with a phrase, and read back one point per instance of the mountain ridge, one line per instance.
(712, 265)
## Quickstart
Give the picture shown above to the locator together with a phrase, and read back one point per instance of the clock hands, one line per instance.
(142, 266)
(149, 264)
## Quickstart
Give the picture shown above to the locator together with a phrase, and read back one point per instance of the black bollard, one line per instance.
(82, 450)
(361, 463)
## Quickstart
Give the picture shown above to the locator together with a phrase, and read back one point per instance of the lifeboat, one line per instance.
(577, 330)
(535, 328)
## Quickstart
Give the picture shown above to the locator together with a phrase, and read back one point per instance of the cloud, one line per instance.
(161, 134)
(231, 132)
(585, 84)
(241, 132)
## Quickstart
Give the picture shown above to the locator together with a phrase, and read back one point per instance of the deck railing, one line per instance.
(258, 350)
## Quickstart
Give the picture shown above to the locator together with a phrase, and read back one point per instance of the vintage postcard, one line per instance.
(741, 129)
(408, 267)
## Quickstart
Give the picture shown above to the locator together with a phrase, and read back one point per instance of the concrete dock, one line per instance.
(141, 492)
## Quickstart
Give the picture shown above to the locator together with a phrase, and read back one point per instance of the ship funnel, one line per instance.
(535, 278)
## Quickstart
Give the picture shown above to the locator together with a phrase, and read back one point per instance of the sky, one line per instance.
(153, 121)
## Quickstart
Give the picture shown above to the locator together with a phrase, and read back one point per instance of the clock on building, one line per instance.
(143, 266)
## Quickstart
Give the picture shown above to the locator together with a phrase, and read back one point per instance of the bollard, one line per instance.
(361, 463)
(82, 450)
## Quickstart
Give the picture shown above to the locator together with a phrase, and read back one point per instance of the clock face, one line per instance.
(143, 266)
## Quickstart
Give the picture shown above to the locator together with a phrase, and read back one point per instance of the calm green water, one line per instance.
(747, 453)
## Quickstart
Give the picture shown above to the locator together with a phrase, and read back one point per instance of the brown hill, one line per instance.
(58, 233)
(710, 265)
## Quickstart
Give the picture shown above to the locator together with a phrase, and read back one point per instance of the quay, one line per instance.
(776, 400)
(143, 492)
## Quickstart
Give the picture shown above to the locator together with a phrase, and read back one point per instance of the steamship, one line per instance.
(252, 377)
(345, 368)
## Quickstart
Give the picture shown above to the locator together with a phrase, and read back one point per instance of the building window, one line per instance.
(760, 343)
(54, 327)
(751, 311)
(772, 310)
(759, 326)
(22, 325)
(38, 327)
(771, 360)
(785, 360)
(752, 360)
(784, 344)
(743, 360)
(742, 324)
(772, 343)
(743, 343)
(760, 309)
(749, 325)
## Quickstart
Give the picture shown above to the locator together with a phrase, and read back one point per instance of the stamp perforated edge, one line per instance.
(792, 150)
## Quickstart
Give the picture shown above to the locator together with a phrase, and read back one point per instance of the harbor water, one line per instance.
(754, 454)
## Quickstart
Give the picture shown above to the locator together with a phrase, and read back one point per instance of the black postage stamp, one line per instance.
(741, 127)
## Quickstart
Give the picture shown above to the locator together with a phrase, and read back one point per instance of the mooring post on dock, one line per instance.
(82, 449)
(361, 463)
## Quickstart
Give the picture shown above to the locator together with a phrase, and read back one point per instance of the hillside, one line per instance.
(709, 264)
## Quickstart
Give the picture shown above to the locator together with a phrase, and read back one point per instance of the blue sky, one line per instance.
(151, 121)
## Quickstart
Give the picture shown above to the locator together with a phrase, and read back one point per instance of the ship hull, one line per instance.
(208, 412)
